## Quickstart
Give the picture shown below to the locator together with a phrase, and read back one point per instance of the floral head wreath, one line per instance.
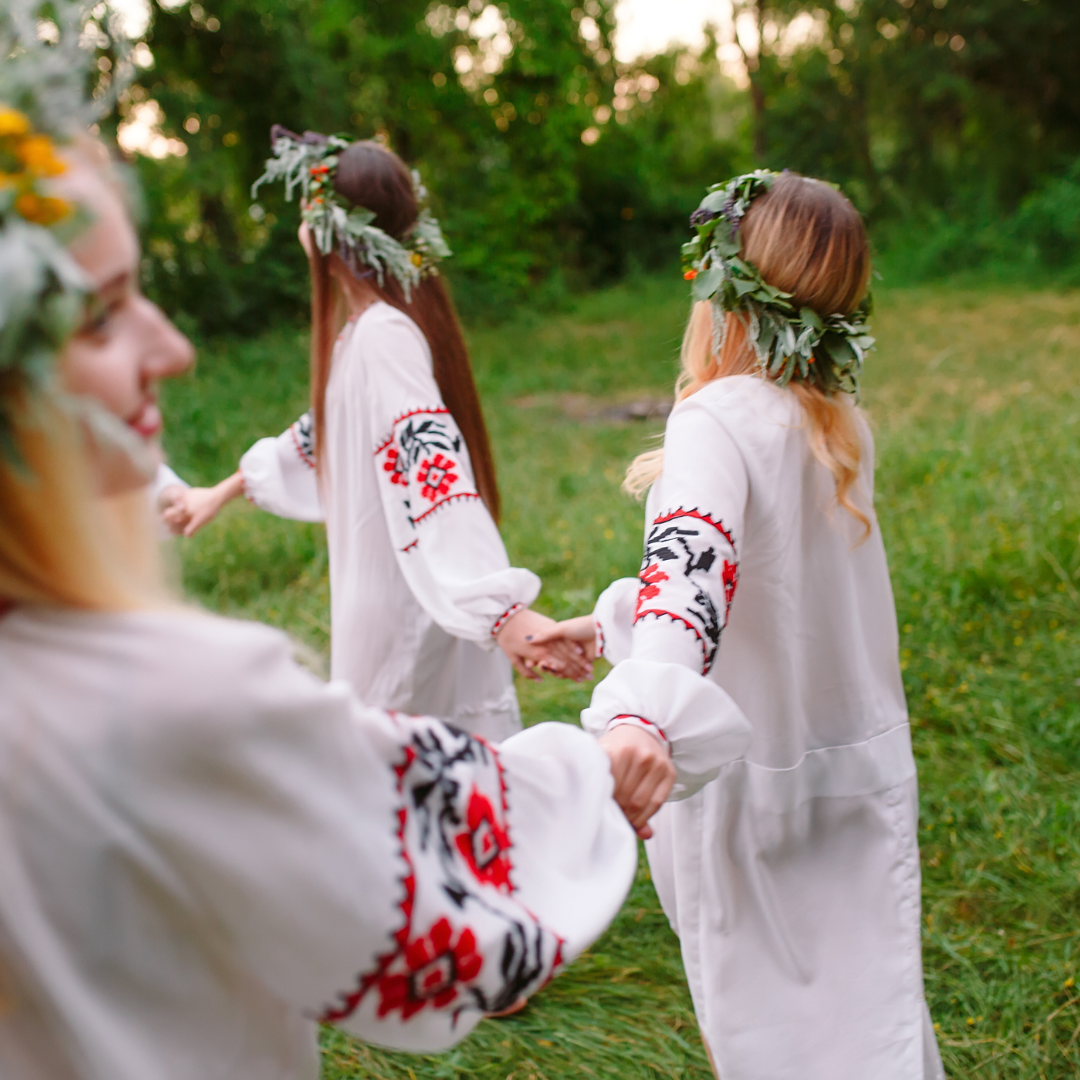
(310, 161)
(43, 103)
(791, 343)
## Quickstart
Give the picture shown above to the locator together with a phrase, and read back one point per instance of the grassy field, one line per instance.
(975, 400)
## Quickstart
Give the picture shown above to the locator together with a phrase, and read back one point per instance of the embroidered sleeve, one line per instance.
(465, 944)
(280, 475)
(448, 547)
(424, 460)
(685, 595)
(387, 873)
(689, 572)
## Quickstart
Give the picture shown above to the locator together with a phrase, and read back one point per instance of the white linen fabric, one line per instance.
(760, 640)
(164, 478)
(203, 850)
(419, 577)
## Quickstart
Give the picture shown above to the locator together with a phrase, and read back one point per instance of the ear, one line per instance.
(307, 242)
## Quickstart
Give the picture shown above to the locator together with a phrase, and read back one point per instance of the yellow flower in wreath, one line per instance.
(38, 154)
(12, 122)
(41, 209)
(417, 259)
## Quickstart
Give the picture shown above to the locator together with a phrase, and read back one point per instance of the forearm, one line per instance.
(232, 487)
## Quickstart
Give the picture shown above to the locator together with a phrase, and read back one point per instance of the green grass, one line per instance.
(975, 398)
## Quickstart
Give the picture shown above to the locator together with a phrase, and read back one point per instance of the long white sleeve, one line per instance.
(688, 577)
(382, 872)
(164, 478)
(446, 543)
(280, 475)
(613, 615)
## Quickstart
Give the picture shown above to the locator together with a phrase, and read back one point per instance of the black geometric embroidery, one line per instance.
(683, 538)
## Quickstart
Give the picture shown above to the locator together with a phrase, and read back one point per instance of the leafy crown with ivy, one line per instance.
(790, 342)
(309, 162)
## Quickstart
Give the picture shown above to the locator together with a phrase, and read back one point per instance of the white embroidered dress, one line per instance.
(419, 577)
(764, 649)
(204, 850)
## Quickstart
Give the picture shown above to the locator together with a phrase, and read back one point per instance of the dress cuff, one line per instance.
(505, 617)
(707, 730)
(629, 720)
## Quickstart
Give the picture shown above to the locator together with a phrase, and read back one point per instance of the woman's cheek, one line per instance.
(93, 366)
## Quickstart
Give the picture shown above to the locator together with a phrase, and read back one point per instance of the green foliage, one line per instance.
(526, 205)
(954, 126)
(976, 405)
(909, 103)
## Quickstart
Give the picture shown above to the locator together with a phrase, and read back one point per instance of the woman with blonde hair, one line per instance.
(790, 871)
(203, 849)
(426, 612)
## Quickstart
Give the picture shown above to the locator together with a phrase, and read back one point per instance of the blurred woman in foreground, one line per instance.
(203, 849)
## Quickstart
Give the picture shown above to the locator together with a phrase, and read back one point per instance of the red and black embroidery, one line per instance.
(466, 943)
(394, 464)
(438, 965)
(303, 437)
(485, 842)
(678, 579)
(436, 477)
(425, 455)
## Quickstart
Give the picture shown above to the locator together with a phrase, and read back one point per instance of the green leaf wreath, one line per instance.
(309, 161)
(791, 343)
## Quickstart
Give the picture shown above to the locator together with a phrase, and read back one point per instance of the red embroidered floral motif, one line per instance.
(437, 967)
(730, 578)
(651, 577)
(395, 466)
(486, 845)
(436, 477)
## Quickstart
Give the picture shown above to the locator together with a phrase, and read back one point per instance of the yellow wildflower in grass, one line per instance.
(12, 122)
(41, 209)
(38, 154)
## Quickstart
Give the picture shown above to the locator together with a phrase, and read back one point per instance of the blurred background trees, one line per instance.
(953, 124)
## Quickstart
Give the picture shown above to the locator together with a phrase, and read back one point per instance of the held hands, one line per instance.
(643, 772)
(168, 503)
(534, 643)
(192, 508)
(580, 631)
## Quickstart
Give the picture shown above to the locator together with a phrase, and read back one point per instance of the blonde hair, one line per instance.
(807, 239)
(61, 543)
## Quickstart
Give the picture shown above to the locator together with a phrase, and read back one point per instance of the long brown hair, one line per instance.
(374, 177)
(807, 239)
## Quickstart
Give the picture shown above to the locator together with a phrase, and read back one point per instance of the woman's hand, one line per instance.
(196, 507)
(581, 630)
(170, 507)
(643, 772)
(555, 654)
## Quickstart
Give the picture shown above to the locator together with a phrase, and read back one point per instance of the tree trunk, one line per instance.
(753, 69)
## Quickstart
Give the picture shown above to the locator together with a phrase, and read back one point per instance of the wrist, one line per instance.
(230, 488)
(639, 722)
(505, 618)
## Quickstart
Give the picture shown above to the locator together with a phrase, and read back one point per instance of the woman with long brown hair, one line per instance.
(788, 868)
(394, 456)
